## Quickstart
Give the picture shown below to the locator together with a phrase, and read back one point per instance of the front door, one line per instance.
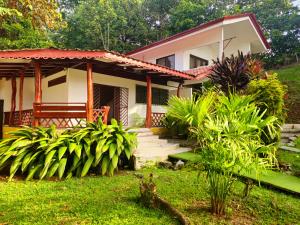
(1, 118)
(114, 97)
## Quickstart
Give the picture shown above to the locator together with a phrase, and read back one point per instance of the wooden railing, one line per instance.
(103, 113)
(16, 120)
(157, 119)
(62, 115)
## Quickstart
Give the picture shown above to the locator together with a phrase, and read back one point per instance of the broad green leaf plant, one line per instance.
(46, 152)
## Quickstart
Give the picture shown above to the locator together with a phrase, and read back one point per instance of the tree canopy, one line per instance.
(123, 25)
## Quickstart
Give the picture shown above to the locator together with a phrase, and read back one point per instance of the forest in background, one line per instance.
(123, 25)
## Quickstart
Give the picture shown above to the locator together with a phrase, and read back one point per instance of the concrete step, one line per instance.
(140, 130)
(152, 159)
(290, 126)
(287, 135)
(145, 134)
(152, 143)
(147, 138)
(291, 131)
(156, 149)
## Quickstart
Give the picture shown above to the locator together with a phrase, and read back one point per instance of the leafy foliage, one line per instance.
(26, 23)
(269, 96)
(231, 73)
(43, 152)
(228, 131)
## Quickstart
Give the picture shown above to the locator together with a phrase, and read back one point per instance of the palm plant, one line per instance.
(190, 112)
(228, 129)
(233, 144)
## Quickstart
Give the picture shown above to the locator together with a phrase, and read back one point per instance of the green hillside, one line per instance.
(291, 77)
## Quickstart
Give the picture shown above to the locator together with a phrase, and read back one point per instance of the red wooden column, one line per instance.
(178, 90)
(90, 92)
(38, 87)
(21, 87)
(149, 103)
(13, 101)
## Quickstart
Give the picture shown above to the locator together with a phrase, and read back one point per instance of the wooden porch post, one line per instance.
(21, 97)
(178, 90)
(38, 88)
(13, 101)
(90, 94)
(149, 103)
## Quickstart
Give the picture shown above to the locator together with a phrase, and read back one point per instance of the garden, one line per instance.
(83, 176)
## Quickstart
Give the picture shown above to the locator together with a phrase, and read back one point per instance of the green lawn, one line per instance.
(276, 179)
(292, 158)
(104, 200)
(291, 77)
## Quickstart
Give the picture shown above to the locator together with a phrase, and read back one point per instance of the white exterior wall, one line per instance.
(57, 93)
(235, 45)
(180, 48)
(77, 91)
(28, 93)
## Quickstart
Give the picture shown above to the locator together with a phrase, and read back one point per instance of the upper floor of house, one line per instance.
(201, 45)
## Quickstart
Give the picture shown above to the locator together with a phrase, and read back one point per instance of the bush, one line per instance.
(228, 131)
(43, 152)
(269, 96)
(190, 112)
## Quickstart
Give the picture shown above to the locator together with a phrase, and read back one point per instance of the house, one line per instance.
(66, 87)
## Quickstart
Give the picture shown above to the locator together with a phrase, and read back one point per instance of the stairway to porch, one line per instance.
(151, 149)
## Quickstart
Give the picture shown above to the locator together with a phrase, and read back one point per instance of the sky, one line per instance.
(297, 2)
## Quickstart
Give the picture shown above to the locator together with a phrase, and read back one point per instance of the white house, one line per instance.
(62, 86)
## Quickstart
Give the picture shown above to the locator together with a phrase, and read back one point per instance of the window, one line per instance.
(168, 61)
(159, 96)
(197, 62)
(57, 81)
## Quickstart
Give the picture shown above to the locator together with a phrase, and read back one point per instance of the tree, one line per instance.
(26, 23)
(114, 25)
(156, 13)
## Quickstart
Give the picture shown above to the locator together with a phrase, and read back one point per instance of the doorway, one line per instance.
(114, 97)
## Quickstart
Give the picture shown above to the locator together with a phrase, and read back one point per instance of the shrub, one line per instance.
(231, 74)
(297, 142)
(269, 96)
(228, 131)
(43, 152)
(190, 111)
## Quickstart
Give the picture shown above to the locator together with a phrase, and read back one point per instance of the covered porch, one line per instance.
(39, 64)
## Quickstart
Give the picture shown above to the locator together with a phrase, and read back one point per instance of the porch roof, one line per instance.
(201, 72)
(52, 60)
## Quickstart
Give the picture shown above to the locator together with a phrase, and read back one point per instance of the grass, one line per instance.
(104, 200)
(291, 77)
(292, 158)
(276, 179)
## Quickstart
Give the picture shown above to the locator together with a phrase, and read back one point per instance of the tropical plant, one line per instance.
(45, 152)
(231, 74)
(103, 145)
(297, 142)
(191, 111)
(228, 130)
(269, 96)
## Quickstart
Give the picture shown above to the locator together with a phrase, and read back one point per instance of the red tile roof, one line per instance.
(201, 72)
(203, 26)
(53, 53)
